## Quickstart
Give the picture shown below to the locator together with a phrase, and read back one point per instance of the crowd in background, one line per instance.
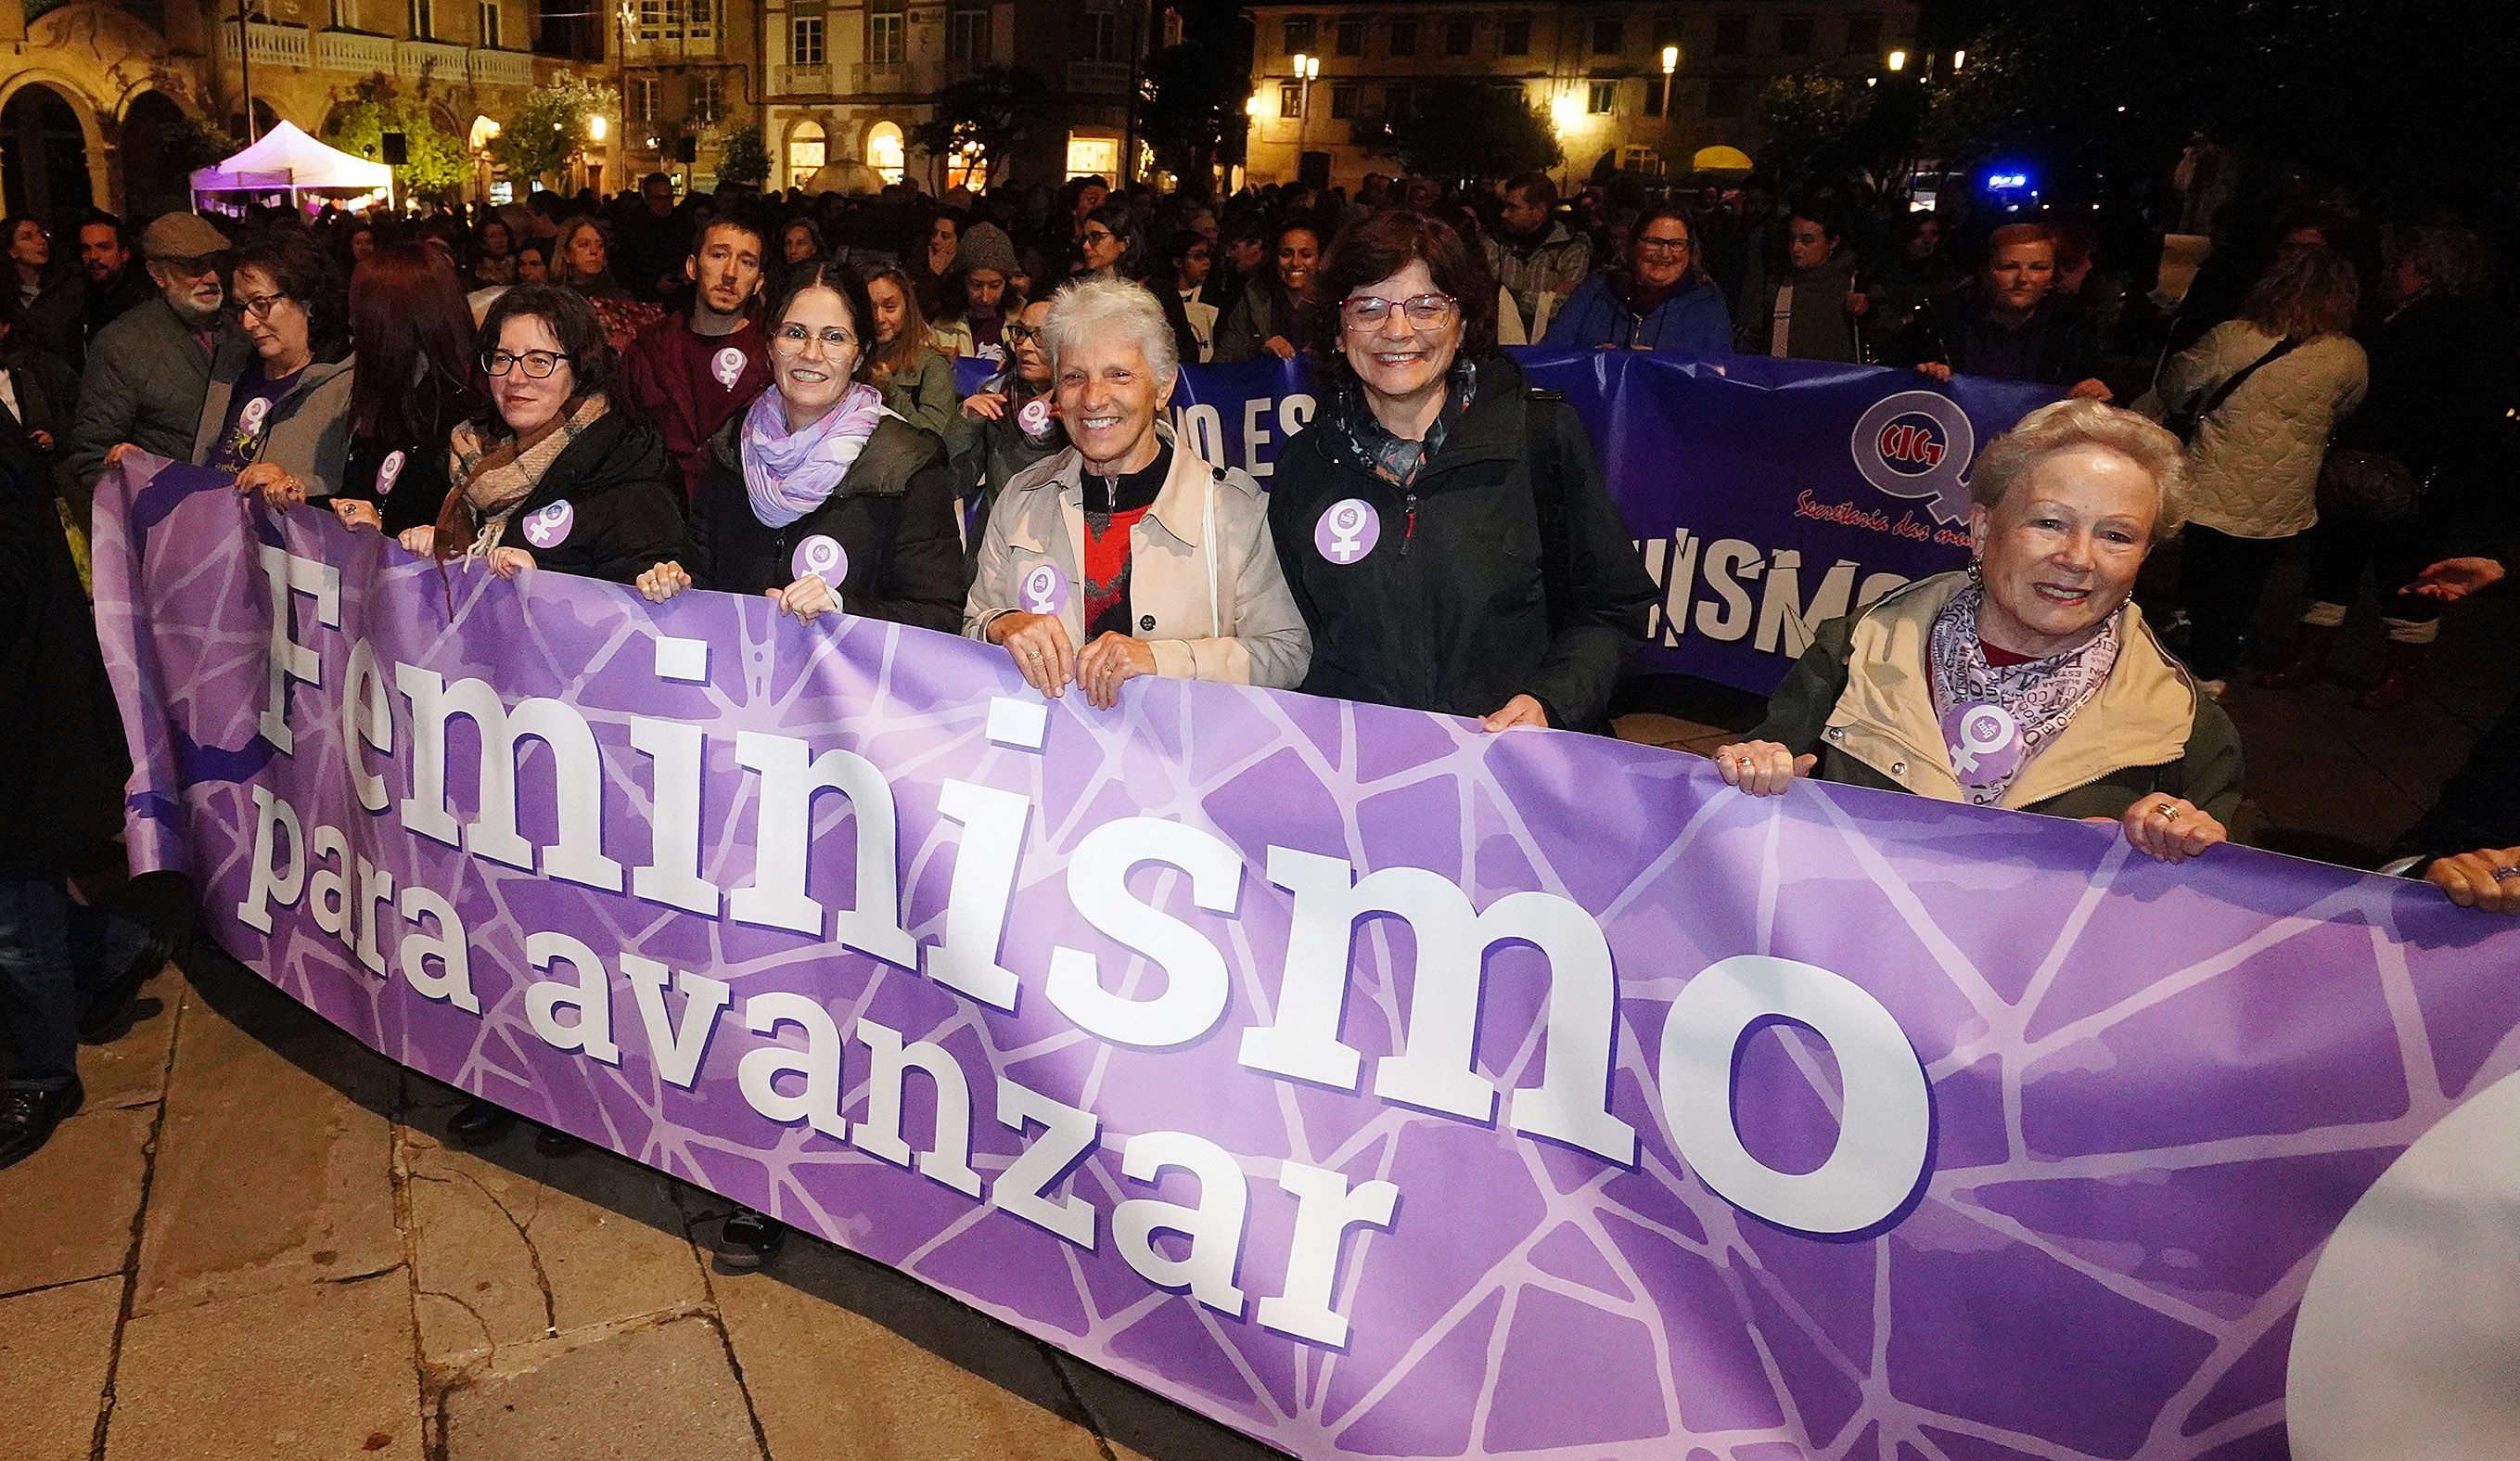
(757, 395)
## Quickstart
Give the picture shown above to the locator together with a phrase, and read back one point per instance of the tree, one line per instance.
(1811, 122)
(438, 159)
(981, 117)
(741, 157)
(1465, 128)
(548, 128)
(1191, 92)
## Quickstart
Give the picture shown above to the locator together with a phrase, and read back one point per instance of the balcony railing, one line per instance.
(414, 59)
(359, 54)
(502, 69)
(347, 51)
(267, 44)
(883, 75)
(1097, 76)
(800, 80)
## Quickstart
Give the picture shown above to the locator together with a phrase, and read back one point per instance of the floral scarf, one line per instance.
(789, 474)
(488, 482)
(1996, 718)
(1370, 444)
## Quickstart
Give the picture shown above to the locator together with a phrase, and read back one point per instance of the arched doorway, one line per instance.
(806, 154)
(154, 178)
(43, 155)
(883, 151)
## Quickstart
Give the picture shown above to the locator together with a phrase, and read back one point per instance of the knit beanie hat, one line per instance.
(986, 246)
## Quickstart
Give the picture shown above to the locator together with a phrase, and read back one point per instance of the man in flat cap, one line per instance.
(148, 371)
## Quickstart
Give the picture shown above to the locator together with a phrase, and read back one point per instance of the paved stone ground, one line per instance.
(255, 1242)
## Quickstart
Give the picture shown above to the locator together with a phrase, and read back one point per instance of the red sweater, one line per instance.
(671, 375)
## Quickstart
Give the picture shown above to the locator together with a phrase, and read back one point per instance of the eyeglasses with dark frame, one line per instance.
(259, 306)
(538, 364)
(1424, 311)
(1015, 335)
(1648, 244)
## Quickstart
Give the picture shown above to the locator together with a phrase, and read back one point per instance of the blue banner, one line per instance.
(1767, 496)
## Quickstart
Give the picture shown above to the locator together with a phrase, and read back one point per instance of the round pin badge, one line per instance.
(387, 472)
(1033, 416)
(728, 367)
(1984, 739)
(1043, 590)
(820, 554)
(249, 420)
(549, 527)
(1347, 531)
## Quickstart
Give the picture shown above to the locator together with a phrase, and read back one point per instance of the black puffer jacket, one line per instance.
(624, 515)
(893, 514)
(1451, 610)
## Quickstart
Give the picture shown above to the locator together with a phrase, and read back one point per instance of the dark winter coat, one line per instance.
(625, 516)
(62, 758)
(1451, 610)
(2055, 346)
(1691, 320)
(893, 514)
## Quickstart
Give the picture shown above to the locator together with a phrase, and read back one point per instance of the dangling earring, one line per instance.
(1976, 575)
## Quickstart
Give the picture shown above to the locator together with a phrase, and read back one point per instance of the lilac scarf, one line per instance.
(789, 474)
(2040, 697)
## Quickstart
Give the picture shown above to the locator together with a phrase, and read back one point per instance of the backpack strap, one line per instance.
(1549, 500)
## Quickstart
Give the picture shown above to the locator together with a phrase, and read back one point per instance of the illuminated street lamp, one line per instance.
(1959, 59)
(1306, 68)
(1670, 64)
(596, 126)
(1897, 61)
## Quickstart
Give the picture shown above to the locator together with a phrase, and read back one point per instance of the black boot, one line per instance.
(2310, 648)
(28, 1117)
(749, 1239)
(552, 1141)
(480, 1124)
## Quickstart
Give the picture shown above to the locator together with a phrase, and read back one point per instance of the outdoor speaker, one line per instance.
(397, 152)
(687, 149)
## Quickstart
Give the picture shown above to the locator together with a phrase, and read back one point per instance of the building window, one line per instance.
(1794, 35)
(1863, 34)
(1290, 101)
(1732, 35)
(1666, 32)
(967, 37)
(805, 41)
(488, 13)
(1513, 36)
(708, 97)
(1350, 38)
(883, 150)
(1602, 98)
(1725, 96)
(1404, 37)
(346, 14)
(1342, 101)
(1457, 36)
(1657, 96)
(701, 23)
(661, 20)
(1299, 36)
(886, 37)
(1399, 102)
(1102, 36)
(424, 20)
(805, 151)
(640, 98)
(1093, 156)
(1609, 37)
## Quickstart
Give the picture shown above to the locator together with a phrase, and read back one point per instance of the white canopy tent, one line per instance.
(288, 160)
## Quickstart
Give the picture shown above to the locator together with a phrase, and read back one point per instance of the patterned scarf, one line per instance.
(1370, 444)
(789, 474)
(2041, 695)
(490, 481)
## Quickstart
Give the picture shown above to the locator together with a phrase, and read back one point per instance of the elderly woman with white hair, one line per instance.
(2031, 681)
(1126, 554)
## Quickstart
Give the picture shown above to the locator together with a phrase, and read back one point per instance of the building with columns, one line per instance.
(1594, 67)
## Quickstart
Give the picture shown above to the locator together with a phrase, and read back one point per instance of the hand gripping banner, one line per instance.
(1375, 1085)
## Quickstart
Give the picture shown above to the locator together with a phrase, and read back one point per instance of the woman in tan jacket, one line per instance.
(2254, 459)
(1126, 554)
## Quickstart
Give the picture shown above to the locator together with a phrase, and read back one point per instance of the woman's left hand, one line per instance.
(355, 514)
(1280, 346)
(1108, 660)
(2484, 879)
(508, 562)
(2170, 829)
(1522, 709)
(279, 486)
(806, 600)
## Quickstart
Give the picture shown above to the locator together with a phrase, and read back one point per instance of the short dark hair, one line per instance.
(1386, 244)
(100, 219)
(655, 178)
(844, 280)
(1122, 221)
(731, 218)
(572, 322)
(301, 272)
(1535, 186)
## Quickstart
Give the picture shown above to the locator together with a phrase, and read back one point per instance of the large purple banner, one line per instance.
(1767, 496)
(1375, 1085)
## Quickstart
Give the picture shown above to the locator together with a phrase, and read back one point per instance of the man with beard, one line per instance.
(1533, 255)
(689, 373)
(149, 370)
(117, 284)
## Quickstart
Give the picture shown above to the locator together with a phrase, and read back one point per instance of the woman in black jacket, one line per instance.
(2012, 324)
(1444, 527)
(552, 476)
(815, 496)
(414, 383)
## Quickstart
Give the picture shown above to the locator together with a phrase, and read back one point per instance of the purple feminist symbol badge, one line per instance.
(820, 554)
(1043, 589)
(251, 418)
(728, 367)
(549, 527)
(1347, 531)
(1985, 743)
(1033, 416)
(387, 472)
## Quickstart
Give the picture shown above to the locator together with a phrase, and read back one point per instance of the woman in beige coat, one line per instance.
(1126, 554)
(2254, 458)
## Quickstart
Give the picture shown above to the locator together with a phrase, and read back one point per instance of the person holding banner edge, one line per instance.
(1128, 544)
(2031, 681)
(1445, 528)
(1661, 300)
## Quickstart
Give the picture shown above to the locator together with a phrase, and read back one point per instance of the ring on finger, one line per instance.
(2506, 874)
(2168, 811)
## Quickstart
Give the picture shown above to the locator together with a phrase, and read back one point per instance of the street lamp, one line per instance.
(1897, 61)
(1959, 59)
(1306, 68)
(596, 125)
(1670, 64)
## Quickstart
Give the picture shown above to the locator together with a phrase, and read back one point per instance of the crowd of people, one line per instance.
(757, 395)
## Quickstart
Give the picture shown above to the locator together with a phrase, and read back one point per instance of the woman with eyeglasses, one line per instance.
(1444, 526)
(552, 476)
(1111, 244)
(277, 408)
(1660, 299)
(818, 496)
(1018, 420)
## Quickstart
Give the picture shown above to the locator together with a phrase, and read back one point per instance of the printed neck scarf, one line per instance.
(789, 474)
(1996, 719)
(1397, 461)
(489, 483)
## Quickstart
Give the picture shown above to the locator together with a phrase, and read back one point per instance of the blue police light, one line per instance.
(2005, 182)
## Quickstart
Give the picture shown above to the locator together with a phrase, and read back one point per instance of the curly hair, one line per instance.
(1386, 244)
(2068, 424)
(2307, 291)
(302, 273)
